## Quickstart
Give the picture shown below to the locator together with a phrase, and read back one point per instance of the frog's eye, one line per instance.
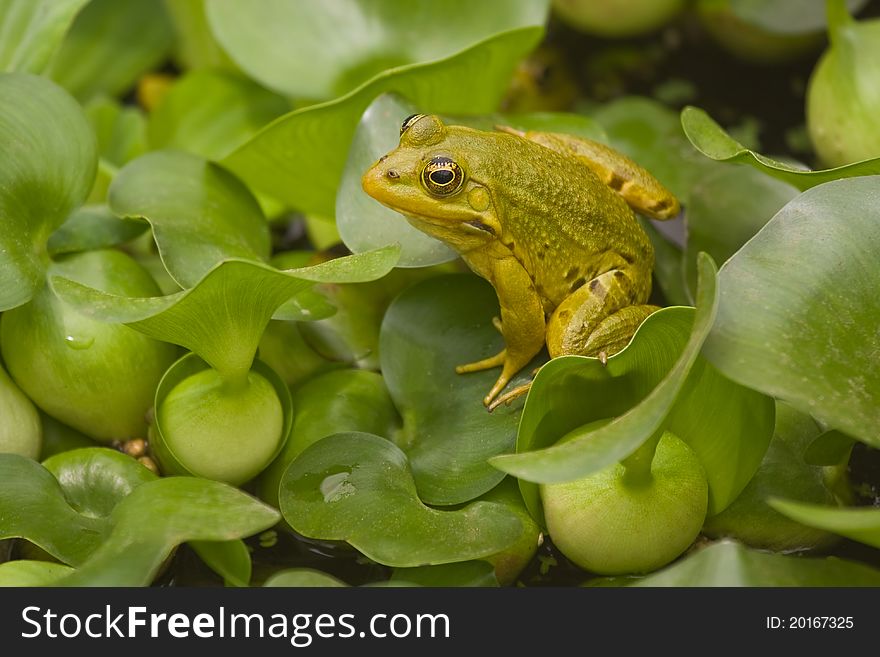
(442, 176)
(408, 121)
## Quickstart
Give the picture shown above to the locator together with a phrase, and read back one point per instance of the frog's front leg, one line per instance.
(599, 318)
(522, 317)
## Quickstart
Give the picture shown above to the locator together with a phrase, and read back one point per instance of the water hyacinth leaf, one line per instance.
(47, 170)
(300, 157)
(314, 50)
(798, 308)
(859, 524)
(787, 16)
(335, 402)
(157, 516)
(229, 559)
(727, 207)
(93, 227)
(595, 449)
(58, 437)
(21, 431)
(341, 488)
(222, 318)
(303, 578)
(33, 507)
(712, 141)
(32, 30)
(730, 564)
(121, 130)
(465, 573)
(195, 46)
(96, 479)
(109, 45)
(829, 448)
(199, 212)
(211, 113)
(428, 330)
(32, 573)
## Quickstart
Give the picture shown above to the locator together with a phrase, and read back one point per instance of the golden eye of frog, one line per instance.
(546, 218)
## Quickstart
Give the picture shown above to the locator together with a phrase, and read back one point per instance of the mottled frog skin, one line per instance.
(546, 218)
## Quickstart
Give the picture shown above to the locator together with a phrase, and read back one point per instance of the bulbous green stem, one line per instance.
(637, 466)
(839, 22)
(233, 381)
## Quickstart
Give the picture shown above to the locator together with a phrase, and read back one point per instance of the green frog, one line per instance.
(547, 218)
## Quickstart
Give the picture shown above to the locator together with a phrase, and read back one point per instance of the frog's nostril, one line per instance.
(383, 158)
(391, 173)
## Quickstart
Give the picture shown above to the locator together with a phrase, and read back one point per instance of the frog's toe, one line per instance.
(509, 396)
(486, 364)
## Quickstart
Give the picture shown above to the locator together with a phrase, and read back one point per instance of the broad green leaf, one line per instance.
(121, 130)
(33, 507)
(47, 170)
(194, 46)
(335, 402)
(342, 487)
(96, 479)
(787, 16)
(229, 559)
(303, 577)
(726, 209)
(592, 450)
(364, 223)
(20, 428)
(300, 157)
(31, 31)
(199, 212)
(157, 516)
(223, 316)
(798, 308)
(731, 564)
(92, 227)
(110, 44)
(465, 573)
(283, 348)
(58, 437)
(859, 524)
(211, 113)
(317, 50)
(429, 329)
(783, 473)
(830, 448)
(712, 141)
(32, 573)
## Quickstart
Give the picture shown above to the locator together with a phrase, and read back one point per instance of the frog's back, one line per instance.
(559, 219)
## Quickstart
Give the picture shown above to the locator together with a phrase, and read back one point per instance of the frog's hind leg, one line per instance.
(642, 191)
(599, 318)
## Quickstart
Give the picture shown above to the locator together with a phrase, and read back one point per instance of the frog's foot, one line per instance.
(496, 322)
(486, 364)
(509, 396)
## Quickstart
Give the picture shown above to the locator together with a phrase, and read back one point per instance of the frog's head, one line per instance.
(427, 178)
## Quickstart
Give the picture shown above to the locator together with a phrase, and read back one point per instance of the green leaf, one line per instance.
(730, 564)
(428, 330)
(47, 170)
(157, 516)
(303, 577)
(787, 16)
(195, 46)
(33, 507)
(121, 130)
(92, 227)
(859, 524)
(20, 427)
(798, 308)
(229, 559)
(782, 473)
(311, 49)
(342, 487)
(96, 479)
(110, 44)
(591, 450)
(727, 207)
(712, 141)
(199, 212)
(222, 318)
(335, 402)
(32, 30)
(465, 573)
(830, 448)
(300, 157)
(211, 113)
(32, 573)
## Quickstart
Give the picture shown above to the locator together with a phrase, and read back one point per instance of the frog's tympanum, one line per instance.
(546, 218)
